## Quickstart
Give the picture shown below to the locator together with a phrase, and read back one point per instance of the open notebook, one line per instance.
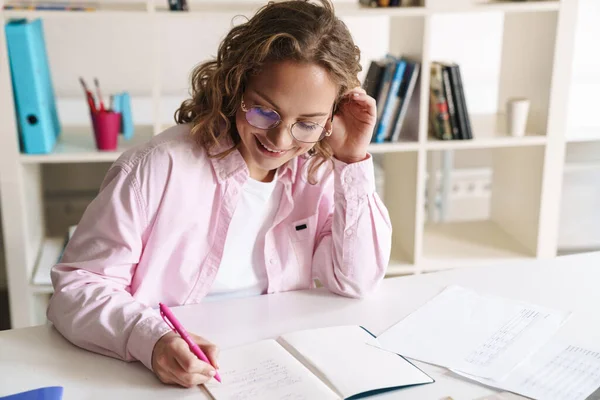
(341, 362)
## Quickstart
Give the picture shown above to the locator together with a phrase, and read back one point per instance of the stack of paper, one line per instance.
(558, 371)
(499, 342)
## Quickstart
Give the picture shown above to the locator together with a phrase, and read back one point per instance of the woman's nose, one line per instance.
(280, 136)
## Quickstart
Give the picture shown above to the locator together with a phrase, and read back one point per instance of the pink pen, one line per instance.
(177, 327)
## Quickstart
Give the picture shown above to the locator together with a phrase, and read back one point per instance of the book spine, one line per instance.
(438, 106)
(390, 103)
(173, 5)
(458, 105)
(372, 83)
(461, 93)
(386, 81)
(412, 82)
(450, 98)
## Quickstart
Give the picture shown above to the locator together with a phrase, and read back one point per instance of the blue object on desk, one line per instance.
(45, 393)
(35, 102)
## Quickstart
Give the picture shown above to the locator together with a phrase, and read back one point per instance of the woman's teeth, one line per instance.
(271, 150)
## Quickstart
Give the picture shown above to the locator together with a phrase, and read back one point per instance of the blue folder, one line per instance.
(35, 103)
(45, 393)
(122, 104)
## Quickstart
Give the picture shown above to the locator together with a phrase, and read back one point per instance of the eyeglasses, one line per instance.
(302, 131)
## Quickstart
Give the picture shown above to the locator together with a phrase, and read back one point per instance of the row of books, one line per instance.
(178, 5)
(390, 3)
(391, 82)
(448, 114)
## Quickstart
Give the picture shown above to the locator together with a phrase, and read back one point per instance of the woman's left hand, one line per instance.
(353, 126)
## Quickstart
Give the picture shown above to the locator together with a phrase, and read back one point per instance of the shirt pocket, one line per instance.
(303, 229)
(302, 234)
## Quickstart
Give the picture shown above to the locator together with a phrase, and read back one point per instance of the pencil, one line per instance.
(97, 83)
(89, 96)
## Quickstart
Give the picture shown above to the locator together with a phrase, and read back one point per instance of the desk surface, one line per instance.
(39, 356)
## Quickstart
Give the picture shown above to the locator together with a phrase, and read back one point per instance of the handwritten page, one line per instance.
(483, 336)
(264, 370)
(558, 371)
(350, 360)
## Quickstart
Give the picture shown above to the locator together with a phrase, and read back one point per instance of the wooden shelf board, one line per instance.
(591, 134)
(380, 148)
(489, 131)
(400, 265)
(247, 8)
(76, 145)
(502, 6)
(463, 244)
(210, 8)
(97, 9)
(102, 9)
(50, 251)
(355, 9)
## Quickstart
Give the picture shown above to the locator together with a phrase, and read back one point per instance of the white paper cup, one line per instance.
(517, 111)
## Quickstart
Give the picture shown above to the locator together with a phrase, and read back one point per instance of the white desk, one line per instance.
(39, 356)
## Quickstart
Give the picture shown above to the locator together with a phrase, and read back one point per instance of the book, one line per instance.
(438, 106)
(173, 5)
(460, 103)
(386, 81)
(455, 72)
(450, 94)
(391, 103)
(178, 5)
(374, 77)
(340, 362)
(409, 83)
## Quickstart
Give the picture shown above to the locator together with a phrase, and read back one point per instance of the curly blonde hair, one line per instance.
(295, 30)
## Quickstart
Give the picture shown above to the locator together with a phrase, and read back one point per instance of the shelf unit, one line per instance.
(534, 53)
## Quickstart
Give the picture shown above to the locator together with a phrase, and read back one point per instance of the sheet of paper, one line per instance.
(484, 336)
(558, 371)
(349, 359)
(265, 371)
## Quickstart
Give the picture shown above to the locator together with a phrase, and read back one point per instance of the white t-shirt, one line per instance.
(242, 270)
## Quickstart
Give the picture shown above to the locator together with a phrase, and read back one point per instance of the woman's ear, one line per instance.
(334, 110)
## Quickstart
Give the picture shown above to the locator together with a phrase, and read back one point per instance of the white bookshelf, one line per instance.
(489, 131)
(534, 61)
(76, 145)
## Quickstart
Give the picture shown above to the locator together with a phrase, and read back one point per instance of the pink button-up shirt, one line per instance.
(156, 232)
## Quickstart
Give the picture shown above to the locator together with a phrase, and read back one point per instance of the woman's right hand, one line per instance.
(174, 363)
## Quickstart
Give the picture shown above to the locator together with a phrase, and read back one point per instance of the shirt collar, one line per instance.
(233, 164)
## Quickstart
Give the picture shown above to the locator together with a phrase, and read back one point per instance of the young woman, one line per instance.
(264, 185)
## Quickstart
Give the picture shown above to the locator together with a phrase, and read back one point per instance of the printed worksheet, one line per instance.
(558, 371)
(479, 335)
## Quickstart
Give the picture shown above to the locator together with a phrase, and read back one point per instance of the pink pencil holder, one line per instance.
(107, 125)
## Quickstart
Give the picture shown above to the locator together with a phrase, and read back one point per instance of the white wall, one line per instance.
(583, 107)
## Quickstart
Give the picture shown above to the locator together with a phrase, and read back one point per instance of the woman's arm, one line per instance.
(92, 305)
(353, 246)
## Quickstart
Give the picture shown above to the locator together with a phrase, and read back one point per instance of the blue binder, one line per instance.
(45, 393)
(35, 103)
(122, 104)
